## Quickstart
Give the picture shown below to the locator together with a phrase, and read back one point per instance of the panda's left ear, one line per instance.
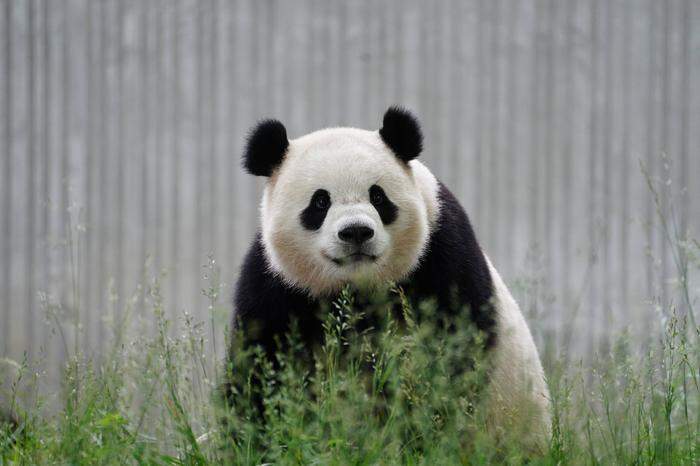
(401, 132)
(264, 151)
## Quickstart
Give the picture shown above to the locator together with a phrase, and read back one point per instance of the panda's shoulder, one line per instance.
(453, 261)
(452, 236)
(253, 273)
(456, 239)
(261, 293)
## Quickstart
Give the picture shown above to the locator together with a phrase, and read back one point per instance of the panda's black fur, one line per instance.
(265, 306)
(315, 213)
(401, 132)
(265, 147)
(453, 270)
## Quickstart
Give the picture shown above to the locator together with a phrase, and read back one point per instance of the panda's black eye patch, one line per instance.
(315, 213)
(387, 210)
(322, 201)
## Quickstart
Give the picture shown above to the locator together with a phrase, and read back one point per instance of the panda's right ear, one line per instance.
(401, 132)
(265, 148)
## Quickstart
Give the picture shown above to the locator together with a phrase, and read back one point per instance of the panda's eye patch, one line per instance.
(387, 210)
(376, 195)
(321, 199)
(315, 213)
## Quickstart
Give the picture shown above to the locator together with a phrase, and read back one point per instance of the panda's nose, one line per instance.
(356, 234)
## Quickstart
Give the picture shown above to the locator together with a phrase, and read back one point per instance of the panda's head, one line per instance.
(343, 205)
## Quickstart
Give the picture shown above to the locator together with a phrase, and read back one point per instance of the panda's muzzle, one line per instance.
(355, 240)
(354, 236)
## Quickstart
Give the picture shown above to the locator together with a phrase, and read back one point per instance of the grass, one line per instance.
(389, 396)
(386, 396)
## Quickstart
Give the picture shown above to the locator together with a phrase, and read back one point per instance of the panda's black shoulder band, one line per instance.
(401, 132)
(267, 143)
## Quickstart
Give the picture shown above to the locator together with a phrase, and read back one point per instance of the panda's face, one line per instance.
(343, 208)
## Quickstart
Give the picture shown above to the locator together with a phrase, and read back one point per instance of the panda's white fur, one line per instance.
(346, 162)
(518, 398)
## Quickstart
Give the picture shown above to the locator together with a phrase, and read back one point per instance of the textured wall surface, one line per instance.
(122, 122)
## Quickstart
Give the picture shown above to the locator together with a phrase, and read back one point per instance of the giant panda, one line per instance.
(352, 206)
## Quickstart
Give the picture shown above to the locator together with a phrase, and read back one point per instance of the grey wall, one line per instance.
(121, 126)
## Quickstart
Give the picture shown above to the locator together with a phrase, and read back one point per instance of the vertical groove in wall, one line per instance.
(399, 14)
(90, 159)
(535, 133)
(120, 155)
(214, 118)
(7, 184)
(456, 122)
(64, 230)
(686, 97)
(533, 172)
(175, 256)
(342, 96)
(230, 121)
(101, 226)
(494, 124)
(547, 145)
(650, 157)
(326, 113)
(144, 132)
(567, 154)
(161, 91)
(104, 232)
(200, 155)
(45, 263)
(29, 213)
(625, 168)
(436, 70)
(608, 201)
(665, 172)
(593, 235)
(479, 112)
(365, 57)
(510, 130)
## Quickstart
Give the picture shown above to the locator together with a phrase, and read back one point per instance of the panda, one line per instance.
(352, 206)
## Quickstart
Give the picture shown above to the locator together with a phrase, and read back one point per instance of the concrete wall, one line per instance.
(122, 122)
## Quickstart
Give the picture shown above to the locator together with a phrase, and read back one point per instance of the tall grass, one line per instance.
(383, 395)
(388, 396)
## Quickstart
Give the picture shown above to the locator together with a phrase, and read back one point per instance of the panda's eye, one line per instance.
(376, 195)
(314, 214)
(387, 210)
(322, 200)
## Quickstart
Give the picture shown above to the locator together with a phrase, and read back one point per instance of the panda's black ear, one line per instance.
(267, 143)
(401, 132)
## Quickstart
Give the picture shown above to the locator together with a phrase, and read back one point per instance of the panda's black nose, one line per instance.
(356, 234)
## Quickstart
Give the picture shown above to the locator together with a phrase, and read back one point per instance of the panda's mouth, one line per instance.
(354, 258)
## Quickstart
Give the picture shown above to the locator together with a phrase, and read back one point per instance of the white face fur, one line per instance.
(337, 171)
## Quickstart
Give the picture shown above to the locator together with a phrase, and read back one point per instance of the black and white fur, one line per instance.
(345, 205)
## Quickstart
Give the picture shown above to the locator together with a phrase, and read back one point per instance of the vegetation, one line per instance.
(387, 395)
